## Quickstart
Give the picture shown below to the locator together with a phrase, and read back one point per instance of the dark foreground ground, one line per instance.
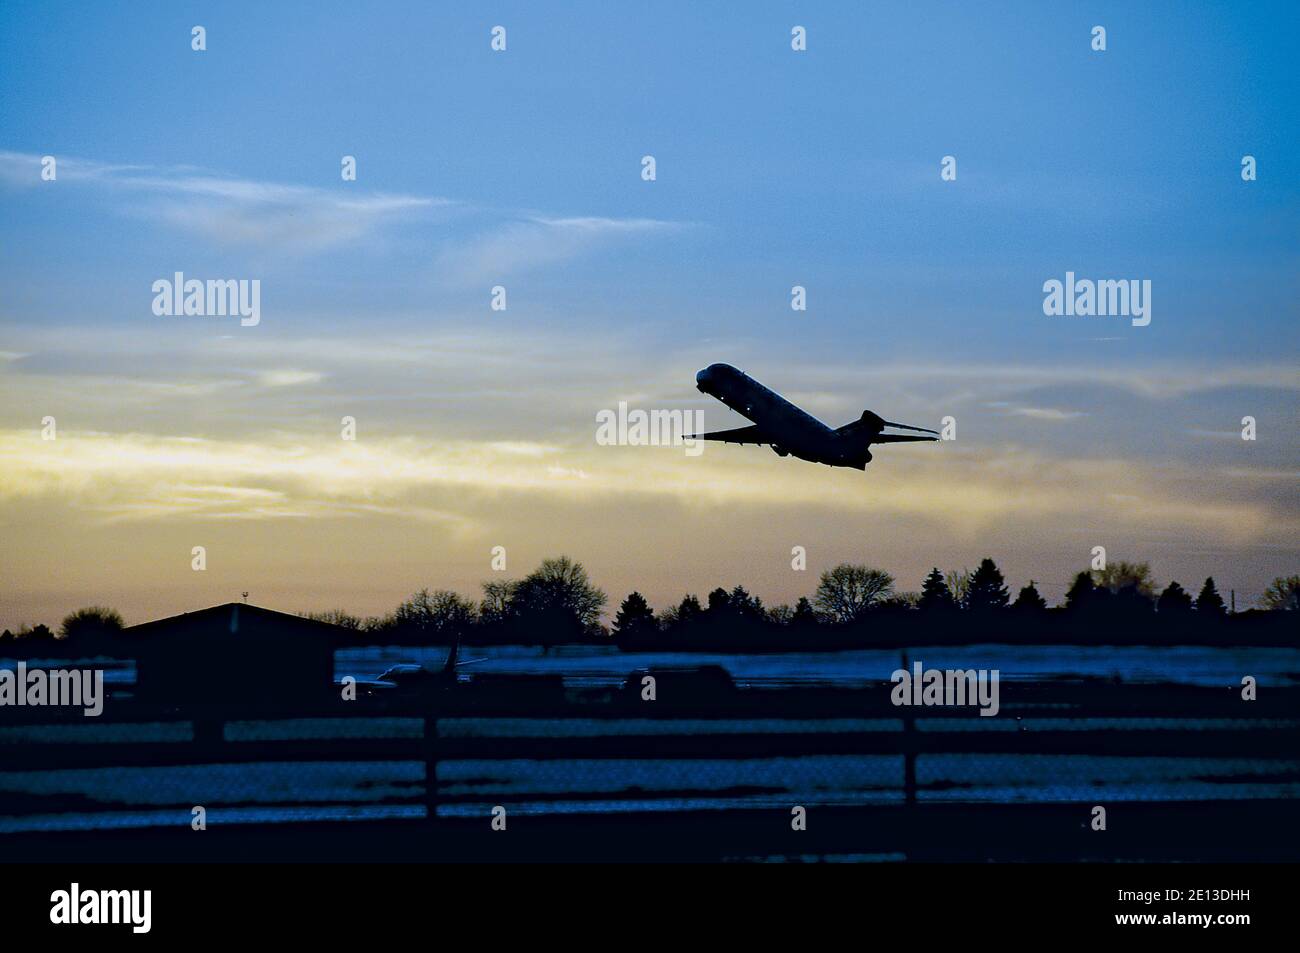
(1220, 831)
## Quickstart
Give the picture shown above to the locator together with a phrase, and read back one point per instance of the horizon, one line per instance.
(613, 601)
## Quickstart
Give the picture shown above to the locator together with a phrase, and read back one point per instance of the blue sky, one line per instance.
(774, 168)
(819, 168)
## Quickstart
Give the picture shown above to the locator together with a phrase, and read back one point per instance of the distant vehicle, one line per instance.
(790, 431)
(409, 676)
(370, 687)
(410, 679)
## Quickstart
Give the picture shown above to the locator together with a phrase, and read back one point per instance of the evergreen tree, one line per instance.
(745, 605)
(935, 593)
(635, 617)
(1081, 592)
(804, 614)
(1028, 599)
(1209, 601)
(987, 588)
(689, 610)
(1174, 599)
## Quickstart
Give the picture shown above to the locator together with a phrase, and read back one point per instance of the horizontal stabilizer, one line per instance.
(909, 427)
(874, 423)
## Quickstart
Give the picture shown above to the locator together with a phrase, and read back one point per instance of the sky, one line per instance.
(522, 168)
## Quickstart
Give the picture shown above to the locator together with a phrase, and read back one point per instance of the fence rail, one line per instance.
(834, 730)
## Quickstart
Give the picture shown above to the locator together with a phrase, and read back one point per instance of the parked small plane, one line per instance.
(790, 431)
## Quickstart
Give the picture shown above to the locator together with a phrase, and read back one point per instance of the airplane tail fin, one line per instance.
(877, 423)
(873, 422)
(449, 667)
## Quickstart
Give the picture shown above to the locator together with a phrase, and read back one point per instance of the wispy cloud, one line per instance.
(535, 242)
(1038, 413)
(228, 209)
(288, 377)
(141, 476)
(303, 219)
(23, 170)
(1153, 381)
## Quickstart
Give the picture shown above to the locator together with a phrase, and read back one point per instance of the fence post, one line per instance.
(909, 750)
(431, 760)
(208, 729)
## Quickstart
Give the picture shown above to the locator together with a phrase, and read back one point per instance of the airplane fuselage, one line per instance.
(788, 428)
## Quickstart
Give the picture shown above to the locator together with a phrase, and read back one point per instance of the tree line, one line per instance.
(856, 604)
(558, 603)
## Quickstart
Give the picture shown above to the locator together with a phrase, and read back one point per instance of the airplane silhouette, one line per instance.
(790, 431)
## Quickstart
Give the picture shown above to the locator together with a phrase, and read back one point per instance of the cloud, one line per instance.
(1157, 381)
(289, 378)
(236, 211)
(137, 476)
(1045, 413)
(23, 170)
(521, 448)
(228, 209)
(289, 217)
(532, 243)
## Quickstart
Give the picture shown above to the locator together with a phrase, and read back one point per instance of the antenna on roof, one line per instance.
(245, 596)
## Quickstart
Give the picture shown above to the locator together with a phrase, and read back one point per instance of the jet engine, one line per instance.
(780, 451)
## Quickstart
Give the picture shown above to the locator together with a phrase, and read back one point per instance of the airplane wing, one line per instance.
(740, 435)
(898, 438)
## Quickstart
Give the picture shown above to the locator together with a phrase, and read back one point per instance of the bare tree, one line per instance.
(1283, 594)
(496, 600)
(847, 591)
(958, 582)
(1125, 575)
(91, 621)
(335, 617)
(434, 614)
(559, 592)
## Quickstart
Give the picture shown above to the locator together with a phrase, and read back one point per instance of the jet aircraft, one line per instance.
(791, 431)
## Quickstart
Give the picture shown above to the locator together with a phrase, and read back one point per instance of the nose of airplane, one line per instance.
(703, 377)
